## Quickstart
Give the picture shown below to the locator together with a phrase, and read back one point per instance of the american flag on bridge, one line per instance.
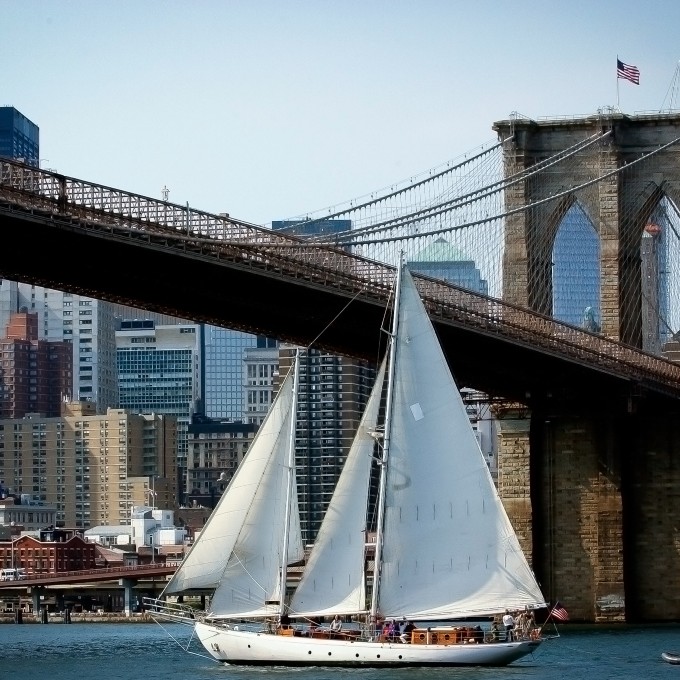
(627, 72)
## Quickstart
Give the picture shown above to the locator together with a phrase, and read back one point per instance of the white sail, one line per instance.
(333, 581)
(238, 552)
(448, 547)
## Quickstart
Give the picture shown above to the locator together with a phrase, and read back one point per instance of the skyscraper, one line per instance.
(442, 260)
(576, 271)
(159, 372)
(332, 395)
(19, 137)
(260, 368)
(35, 375)
(87, 324)
(222, 355)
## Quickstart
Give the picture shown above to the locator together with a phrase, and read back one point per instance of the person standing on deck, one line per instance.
(509, 623)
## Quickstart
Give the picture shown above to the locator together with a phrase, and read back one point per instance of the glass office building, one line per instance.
(19, 137)
(159, 372)
(576, 271)
(441, 260)
(223, 361)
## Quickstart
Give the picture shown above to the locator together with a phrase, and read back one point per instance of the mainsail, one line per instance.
(334, 581)
(245, 530)
(448, 547)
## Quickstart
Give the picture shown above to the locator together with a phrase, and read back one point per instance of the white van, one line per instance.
(9, 575)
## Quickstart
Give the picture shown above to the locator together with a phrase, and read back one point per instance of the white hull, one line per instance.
(241, 647)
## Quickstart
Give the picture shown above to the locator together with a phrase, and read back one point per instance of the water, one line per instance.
(120, 651)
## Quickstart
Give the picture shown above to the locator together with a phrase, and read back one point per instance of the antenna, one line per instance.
(672, 94)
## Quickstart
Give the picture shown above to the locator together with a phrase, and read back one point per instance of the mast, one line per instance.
(386, 445)
(289, 487)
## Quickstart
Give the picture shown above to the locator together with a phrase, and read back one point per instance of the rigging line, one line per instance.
(181, 646)
(259, 585)
(336, 317)
(523, 208)
(471, 197)
(398, 192)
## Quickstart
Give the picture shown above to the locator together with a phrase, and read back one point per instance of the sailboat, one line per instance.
(445, 552)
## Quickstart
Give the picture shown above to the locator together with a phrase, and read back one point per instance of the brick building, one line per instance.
(35, 375)
(56, 551)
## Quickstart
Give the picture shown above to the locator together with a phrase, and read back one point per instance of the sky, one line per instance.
(270, 109)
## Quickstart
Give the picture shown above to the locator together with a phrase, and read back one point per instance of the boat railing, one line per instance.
(170, 611)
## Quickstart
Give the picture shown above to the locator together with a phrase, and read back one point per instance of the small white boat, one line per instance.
(671, 657)
(445, 549)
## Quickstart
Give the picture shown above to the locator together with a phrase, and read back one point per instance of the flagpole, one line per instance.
(547, 620)
(618, 108)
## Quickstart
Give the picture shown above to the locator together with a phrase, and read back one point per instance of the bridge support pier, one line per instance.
(562, 492)
(37, 595)
(129, 595)
(514, 481)
(582, 506)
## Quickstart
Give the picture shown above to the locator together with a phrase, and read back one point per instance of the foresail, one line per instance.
(333, 581)
(449, 549)
(241, 540)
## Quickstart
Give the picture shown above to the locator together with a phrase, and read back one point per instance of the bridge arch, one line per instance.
(618, 180)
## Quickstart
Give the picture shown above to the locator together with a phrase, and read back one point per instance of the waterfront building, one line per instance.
(35, 375)
(19, 137)
(154, 527)
(55, 551)
(485, 426)
(87, 464)
(215, 450)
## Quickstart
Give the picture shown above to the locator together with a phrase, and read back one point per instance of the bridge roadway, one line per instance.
(87, 576)
(91, 582)
(76, 236)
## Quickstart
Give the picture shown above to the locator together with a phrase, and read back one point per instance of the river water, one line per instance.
(121, 651)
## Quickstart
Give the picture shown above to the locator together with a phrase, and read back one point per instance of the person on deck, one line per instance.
(336, 624)
(509, 623)
(406, 632)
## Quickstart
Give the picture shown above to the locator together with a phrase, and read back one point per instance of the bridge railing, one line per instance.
(61, 194)
(80, 573)
(216, 236)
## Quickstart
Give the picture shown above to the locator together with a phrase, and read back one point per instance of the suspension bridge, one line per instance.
(548, 263)
(310, 280)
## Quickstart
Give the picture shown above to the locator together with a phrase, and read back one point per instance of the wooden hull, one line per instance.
(240, 647)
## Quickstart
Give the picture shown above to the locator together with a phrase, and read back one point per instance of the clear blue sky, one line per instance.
(268, 109)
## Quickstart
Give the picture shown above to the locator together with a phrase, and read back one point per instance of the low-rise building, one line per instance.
(55, 551)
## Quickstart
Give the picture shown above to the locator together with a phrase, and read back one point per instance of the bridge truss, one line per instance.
(462, 203)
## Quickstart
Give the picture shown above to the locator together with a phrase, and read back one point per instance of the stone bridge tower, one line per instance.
(617, 191)
(595, 496)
